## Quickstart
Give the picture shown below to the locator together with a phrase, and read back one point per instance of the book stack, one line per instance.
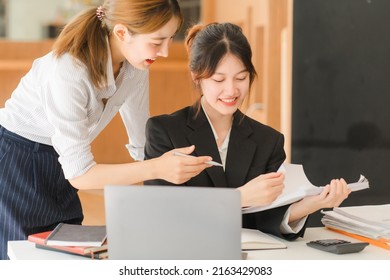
(87, 241)
(368, 223)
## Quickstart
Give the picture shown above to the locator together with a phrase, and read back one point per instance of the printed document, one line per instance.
(298, 186)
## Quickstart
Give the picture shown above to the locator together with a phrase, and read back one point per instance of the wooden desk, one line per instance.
(297, 250)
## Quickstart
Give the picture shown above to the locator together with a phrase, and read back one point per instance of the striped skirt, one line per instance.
(34, 194)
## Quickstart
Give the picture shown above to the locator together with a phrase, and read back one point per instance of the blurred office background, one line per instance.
(40, 19)
(323, 80)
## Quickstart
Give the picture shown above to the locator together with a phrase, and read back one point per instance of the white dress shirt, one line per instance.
(57, 104)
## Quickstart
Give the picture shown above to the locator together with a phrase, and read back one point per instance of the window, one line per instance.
(191, 13)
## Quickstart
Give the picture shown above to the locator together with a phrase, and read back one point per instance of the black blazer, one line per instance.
(254, 149)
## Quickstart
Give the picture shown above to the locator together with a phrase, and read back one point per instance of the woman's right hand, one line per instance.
(262, 190)
(179, 169)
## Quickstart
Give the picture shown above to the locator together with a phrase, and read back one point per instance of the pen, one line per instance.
(208, 162)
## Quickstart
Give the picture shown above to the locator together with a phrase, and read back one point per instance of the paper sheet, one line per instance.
(298, 186)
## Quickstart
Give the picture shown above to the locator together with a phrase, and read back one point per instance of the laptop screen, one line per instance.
(172, 222)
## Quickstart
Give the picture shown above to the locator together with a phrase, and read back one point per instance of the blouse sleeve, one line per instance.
(135, 113)
(66, 97)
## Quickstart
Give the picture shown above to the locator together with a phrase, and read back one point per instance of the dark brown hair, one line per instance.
(207, 45)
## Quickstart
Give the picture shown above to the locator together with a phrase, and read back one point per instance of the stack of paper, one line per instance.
(298, 186)
(368, 222)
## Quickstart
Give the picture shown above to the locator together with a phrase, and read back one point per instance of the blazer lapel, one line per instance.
(201, 132)
(240, 152)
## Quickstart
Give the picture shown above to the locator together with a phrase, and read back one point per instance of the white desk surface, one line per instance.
(296, 250)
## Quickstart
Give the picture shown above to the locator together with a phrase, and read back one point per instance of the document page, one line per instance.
(253, 239)
(298, 186)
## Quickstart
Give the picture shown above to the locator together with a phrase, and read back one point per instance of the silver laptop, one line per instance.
(172, 223)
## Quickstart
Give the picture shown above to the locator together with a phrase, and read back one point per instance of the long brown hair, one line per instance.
(85, 37)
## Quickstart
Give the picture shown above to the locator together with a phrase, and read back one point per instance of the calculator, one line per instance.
(337, 246)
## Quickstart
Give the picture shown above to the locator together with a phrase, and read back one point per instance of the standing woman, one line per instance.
(98, 66)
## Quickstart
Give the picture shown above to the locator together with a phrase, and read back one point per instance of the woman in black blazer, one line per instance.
(251, 152)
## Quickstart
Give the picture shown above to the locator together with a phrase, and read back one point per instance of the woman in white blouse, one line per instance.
(98, 66)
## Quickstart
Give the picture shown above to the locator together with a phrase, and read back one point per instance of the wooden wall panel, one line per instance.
(23, 50)
(170, 87)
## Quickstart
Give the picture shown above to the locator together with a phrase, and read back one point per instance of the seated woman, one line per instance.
(250, 152)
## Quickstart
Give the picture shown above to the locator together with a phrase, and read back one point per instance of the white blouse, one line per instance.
(57, 104)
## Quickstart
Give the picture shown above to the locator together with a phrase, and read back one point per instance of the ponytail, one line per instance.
(85, 38)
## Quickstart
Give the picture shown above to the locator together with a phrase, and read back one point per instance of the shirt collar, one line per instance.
(225, 143)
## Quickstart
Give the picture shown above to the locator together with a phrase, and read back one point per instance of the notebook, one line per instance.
(172, 223)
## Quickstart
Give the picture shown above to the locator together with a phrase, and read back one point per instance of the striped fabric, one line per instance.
(34, 195)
